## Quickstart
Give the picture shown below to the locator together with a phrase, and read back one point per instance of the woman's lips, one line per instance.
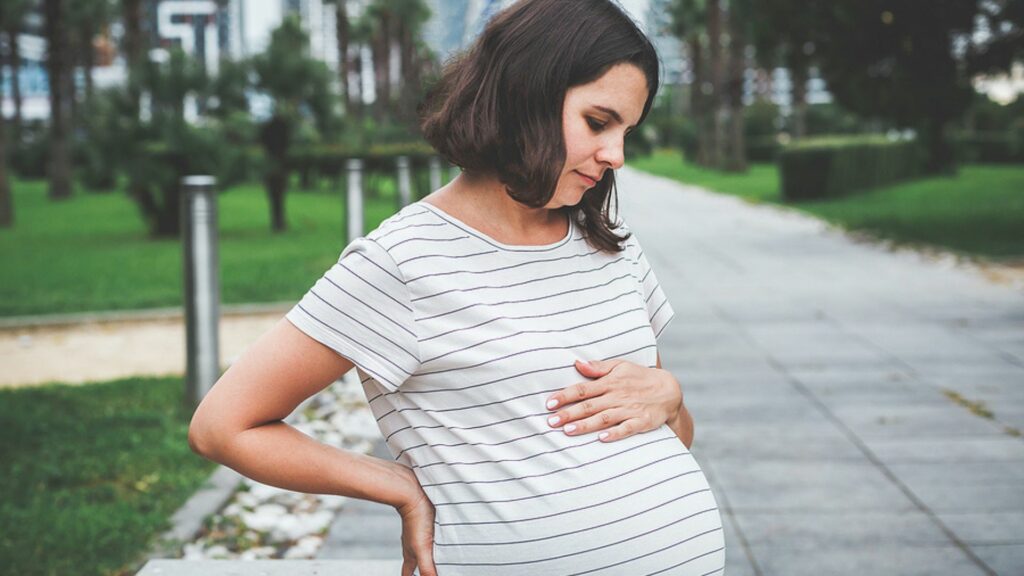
(588, 179)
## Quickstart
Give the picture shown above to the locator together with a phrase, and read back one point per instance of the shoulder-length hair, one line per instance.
(497, 107)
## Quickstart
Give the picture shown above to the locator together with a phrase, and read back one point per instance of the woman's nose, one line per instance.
(612, 154)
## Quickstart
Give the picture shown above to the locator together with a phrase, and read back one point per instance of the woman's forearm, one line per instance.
(279, 455)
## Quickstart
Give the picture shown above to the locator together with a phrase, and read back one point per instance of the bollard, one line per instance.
(404, 183)
(354, 201)
(202, 286)
(435, 173)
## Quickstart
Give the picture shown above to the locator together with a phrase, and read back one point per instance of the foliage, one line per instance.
(91, 473)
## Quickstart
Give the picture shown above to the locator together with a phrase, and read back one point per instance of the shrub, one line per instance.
(831, 167)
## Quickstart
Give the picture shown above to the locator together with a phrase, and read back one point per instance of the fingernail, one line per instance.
(554, 420)
(602, 435)
(552, 403)
(570, 427)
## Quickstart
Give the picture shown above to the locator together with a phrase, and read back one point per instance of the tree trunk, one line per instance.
(798, 71)
(57, 67)
(275, 136)
(737, 157)
(88, 60)
(131, 17)
(357, 69)
(342, 32)
(382, 65)
(410, 84)
(698, 109)
(6, 202)
(714, 99)
(940, 154)
(14, 60)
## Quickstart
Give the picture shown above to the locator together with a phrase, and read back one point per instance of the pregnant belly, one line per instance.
(640, 505)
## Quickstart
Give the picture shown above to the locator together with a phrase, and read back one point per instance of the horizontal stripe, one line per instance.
(521, 301)
(576, 467)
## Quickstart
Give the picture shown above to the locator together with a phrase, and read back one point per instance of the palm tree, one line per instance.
(688, 24)
(6, 203)
(85, 19)
(293, 79)
(410, 17)
(381, 15)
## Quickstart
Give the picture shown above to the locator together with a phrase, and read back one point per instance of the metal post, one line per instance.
(202, 286)
(404, 181)
(354, 202)
(453, 172)
(435, 173)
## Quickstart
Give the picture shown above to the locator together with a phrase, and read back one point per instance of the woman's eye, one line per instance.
(595, 125)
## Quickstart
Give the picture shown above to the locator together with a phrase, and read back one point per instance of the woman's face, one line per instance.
(595, 119)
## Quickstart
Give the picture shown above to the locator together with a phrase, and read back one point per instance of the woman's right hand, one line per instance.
(417, 532)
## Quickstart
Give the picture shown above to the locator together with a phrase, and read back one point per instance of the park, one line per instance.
(832, 196)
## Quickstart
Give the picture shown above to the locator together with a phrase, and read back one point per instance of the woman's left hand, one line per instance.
(623, 397)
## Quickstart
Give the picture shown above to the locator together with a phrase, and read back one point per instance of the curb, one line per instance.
(147, 315)
(187, 521)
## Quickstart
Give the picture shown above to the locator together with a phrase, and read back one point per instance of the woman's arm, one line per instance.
(240, 424)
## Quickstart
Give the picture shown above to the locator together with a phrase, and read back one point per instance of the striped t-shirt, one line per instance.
(459, 340)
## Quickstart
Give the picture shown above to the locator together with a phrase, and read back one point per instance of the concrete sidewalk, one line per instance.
(822, 375)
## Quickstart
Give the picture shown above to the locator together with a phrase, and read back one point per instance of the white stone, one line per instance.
(265, 518)
(294, 527)
(306, 547)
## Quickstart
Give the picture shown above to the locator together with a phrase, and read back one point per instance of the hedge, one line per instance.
(829, 167)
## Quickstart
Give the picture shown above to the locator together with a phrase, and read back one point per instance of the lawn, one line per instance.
(92, 252)
(979, 212)
(90, 474)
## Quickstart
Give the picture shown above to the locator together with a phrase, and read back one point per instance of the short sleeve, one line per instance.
(659, 311)
(361, 309)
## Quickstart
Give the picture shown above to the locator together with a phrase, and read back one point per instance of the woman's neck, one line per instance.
(483, 202)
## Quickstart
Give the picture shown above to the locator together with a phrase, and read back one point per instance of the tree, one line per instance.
(85, 20)
(897, 59)
(296, 83)
(739, 32)
(131, 19)
(381, 15)
(12, 18)
(413, 53)
(6, 202)
(783, 34)
(688, 19)
(59, 82)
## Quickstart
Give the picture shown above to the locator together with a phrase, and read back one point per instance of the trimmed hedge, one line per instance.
(830, 167)
(1005, 147)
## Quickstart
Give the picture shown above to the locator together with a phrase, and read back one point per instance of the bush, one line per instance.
(987, 147)
(831, 167)
(30, 156)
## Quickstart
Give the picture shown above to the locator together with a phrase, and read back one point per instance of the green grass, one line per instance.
(90, 474)
(979, 212)
(92, 252)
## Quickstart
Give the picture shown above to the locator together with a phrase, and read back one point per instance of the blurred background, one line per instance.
(898, 120)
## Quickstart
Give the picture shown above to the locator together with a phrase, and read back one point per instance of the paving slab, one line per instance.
(887, 560)
(950, 451)
(1001, 527)
(1005, 559)
(756, 485)
(866, 530)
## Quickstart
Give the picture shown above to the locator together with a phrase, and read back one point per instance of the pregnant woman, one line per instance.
(471, 316)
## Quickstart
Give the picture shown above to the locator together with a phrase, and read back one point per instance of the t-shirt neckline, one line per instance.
(501, 245)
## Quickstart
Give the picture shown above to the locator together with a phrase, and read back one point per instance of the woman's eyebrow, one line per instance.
(612, 113)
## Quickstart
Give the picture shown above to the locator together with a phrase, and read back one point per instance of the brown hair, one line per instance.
(497, 107)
